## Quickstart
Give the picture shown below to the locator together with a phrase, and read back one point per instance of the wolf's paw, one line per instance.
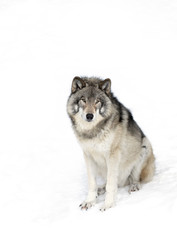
(134, 187)
(106, 207)
(86, 205)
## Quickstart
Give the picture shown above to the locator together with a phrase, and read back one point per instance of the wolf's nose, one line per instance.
(89, 117)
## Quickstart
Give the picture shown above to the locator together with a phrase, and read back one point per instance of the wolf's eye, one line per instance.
(83, 99)
(97, 101)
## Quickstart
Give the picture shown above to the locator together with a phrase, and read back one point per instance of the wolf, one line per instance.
(113, 144)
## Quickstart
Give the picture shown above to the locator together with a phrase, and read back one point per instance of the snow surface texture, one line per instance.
(43, 45)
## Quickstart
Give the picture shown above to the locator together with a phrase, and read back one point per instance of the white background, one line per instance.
(43, 45)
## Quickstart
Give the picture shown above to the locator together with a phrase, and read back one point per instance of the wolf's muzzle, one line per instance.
(89, 117)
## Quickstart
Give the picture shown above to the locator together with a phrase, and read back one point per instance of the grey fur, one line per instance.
(114, 146)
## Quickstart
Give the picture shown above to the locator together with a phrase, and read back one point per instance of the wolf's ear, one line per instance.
(78, 83)
(105, 85)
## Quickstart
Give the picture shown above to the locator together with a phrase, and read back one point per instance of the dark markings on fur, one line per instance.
(143, 146)
(117, 105)
(120, 111)
(133, 126)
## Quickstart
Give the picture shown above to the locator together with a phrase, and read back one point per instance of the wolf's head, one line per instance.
(89, 100)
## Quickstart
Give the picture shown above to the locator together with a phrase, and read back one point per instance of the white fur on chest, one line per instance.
(99, 147)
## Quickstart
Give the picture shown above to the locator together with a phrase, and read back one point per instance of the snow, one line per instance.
(43, 45)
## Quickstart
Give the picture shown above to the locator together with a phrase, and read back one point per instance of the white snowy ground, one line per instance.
(43, 45)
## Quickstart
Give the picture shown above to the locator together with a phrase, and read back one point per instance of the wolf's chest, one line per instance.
(99, 149)
(98, 146)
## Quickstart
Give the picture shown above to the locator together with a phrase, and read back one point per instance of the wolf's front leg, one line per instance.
(111, 185)
(92, 186)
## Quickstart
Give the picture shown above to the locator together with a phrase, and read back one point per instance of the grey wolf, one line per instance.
(113, 144)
